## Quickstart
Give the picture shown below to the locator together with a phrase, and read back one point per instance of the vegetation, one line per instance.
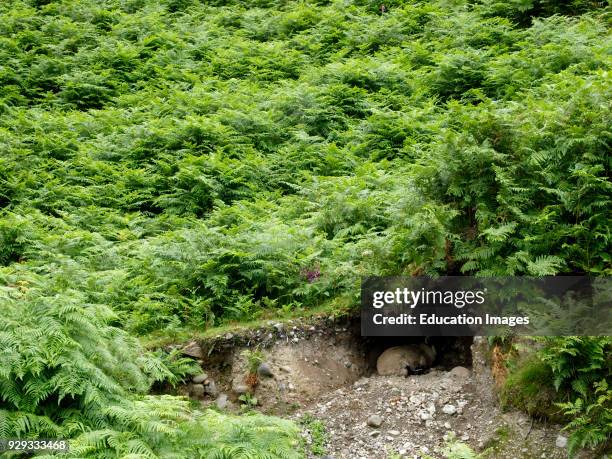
(567, 380)
(181, 164)
(529, 387)
(317, 432)
(583, 368)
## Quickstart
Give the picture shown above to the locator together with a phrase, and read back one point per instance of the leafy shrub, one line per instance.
(581, 366)
(14, 239)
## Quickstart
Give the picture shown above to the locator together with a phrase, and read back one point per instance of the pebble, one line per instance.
(199, 379)
(197, 390)
(459, 373)
(375, 421)
(449, 409)
(561, 441)
(211, 389)
(240, 389)
(222, 401)
(265, 370)
(193, 349)
(395, 433)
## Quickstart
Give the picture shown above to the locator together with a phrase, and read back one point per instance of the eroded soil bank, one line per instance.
(324, 370)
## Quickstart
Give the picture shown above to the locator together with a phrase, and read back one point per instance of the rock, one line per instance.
(460, 373)
(447, 425)
(199, 379)
(449, 409)
(395, 433)
(222, 401)
(211, 389)
(425, 415)
(193, 349)
(460, 405)
(374, 421)
(561, 441)
(228, 336)
(348, 364)
(197, 390)
(240, 389)
(279, 327)
(265, 370)
(375, 433)
(286, 369)
(396, 360)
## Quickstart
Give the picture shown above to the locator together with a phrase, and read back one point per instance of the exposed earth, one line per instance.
(325, 371)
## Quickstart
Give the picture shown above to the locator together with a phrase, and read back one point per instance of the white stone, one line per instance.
(561, 441)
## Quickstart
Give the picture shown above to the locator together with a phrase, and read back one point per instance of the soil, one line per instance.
(327, 371)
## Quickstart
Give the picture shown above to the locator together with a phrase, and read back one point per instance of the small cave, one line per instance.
(451, 351)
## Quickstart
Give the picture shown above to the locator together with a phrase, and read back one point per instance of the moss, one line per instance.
(529, 388)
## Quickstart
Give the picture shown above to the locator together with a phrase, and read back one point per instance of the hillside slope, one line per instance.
(178, 164)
